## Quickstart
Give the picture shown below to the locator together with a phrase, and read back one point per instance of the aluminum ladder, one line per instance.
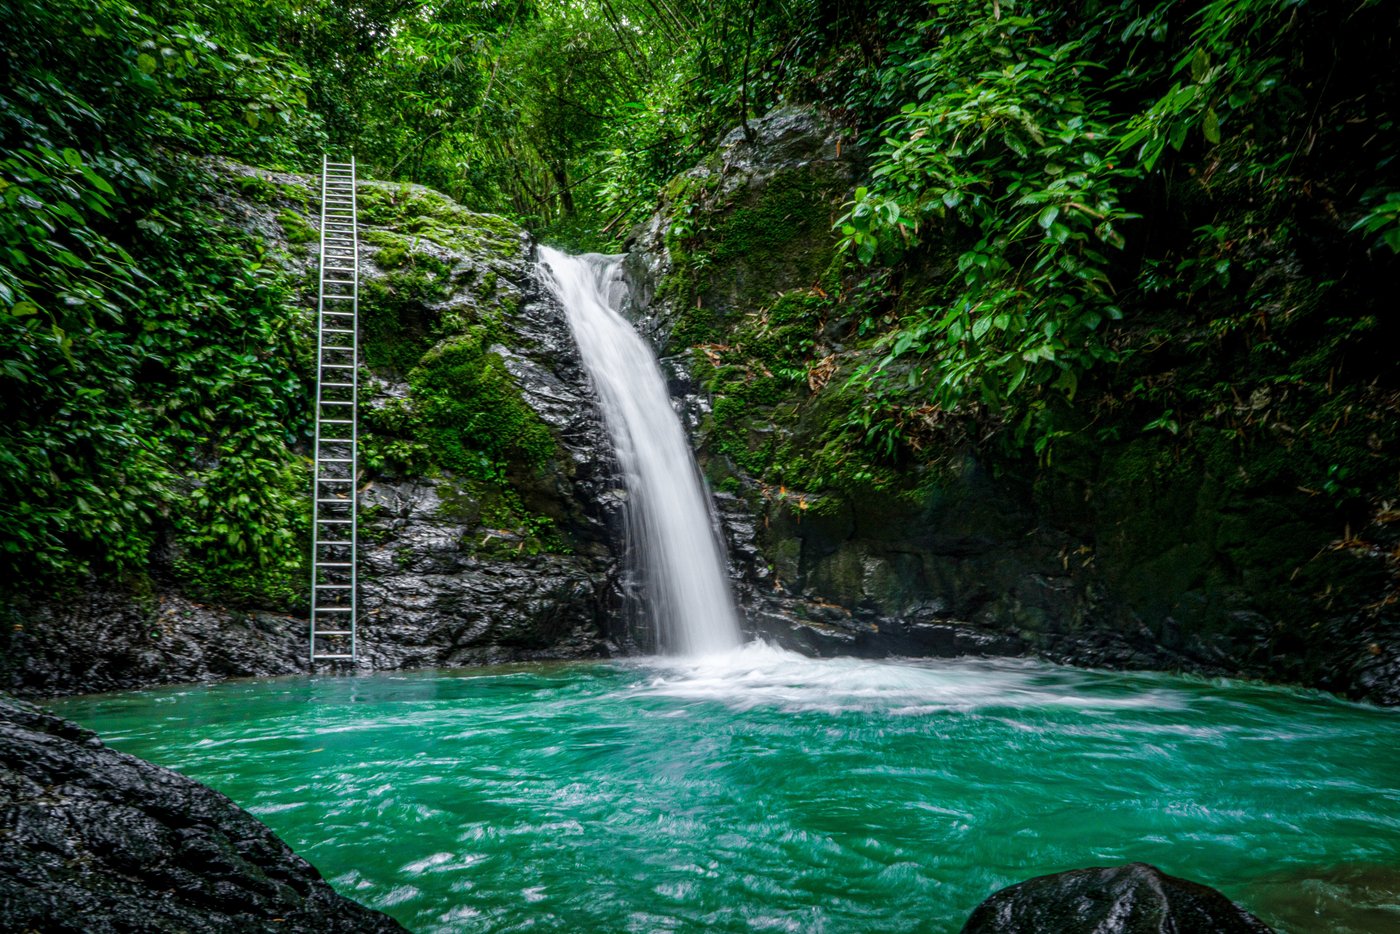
(334, 602)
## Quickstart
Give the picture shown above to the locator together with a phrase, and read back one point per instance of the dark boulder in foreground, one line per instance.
(92, 839)
(1132, 899)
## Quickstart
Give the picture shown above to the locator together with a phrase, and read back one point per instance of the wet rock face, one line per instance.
(428, 600)
(751, 220)
(95, 840)
(1132, 899)
(439, 584)
(104, 640)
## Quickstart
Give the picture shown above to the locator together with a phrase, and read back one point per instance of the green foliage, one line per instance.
(1010, 147)
(241, 534)
(140, 339)
(1032, 138)
(1383, 222)
(295, 227)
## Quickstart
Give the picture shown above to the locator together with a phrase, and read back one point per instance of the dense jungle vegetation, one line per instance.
(1081, 223)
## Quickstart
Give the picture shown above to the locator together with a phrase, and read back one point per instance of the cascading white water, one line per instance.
(673, 538)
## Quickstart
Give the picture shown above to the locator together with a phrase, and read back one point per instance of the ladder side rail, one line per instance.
(354, 413)
(316, 448)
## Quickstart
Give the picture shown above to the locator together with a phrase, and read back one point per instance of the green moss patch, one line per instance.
(471, 414)
(417, 211)
(295, 227)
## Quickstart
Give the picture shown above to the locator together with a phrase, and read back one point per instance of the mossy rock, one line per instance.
(296, 228)
(411, 210)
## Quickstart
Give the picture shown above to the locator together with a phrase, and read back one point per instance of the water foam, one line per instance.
(762, 675)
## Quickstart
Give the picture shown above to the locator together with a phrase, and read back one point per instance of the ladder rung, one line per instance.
(336, 402)
(338, 366)
(337, 384)
(335, 521)
(334, 564)
(334, 609)
(336, 480)
(337, 330)
(327, 658)
(337, 440)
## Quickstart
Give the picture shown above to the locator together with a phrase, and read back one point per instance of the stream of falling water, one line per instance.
(672, 537)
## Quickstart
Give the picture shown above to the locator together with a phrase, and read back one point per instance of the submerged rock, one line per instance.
(1132, 899)
(92, 839)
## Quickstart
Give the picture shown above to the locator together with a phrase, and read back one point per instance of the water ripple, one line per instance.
(756, 790)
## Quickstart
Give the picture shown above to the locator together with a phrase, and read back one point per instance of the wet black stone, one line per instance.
(1132, 899)
(94, 840)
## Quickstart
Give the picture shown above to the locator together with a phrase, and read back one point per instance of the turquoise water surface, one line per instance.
(760, 791)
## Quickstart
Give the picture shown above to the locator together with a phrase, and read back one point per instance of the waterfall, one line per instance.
(672, 539)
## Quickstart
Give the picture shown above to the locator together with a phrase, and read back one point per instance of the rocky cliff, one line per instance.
(489, 498)
(1151, 552)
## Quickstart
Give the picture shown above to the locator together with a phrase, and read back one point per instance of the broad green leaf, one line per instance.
(1211, 126)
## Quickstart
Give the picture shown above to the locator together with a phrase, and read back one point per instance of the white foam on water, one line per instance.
(759, 674)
